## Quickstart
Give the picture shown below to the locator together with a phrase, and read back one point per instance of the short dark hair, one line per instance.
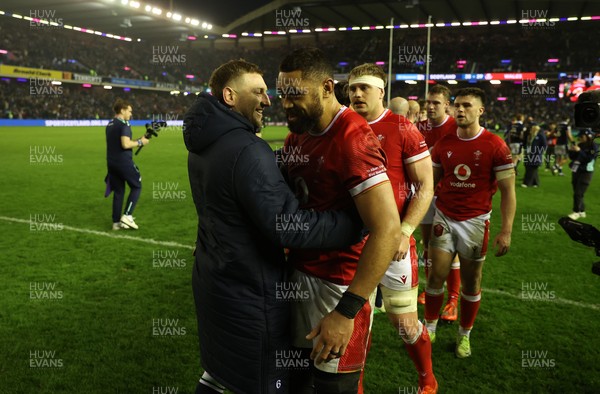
(229, 71)
(441, 89)
(472, 92)
(368, 69)
(341, 93)
(119, 105)
(312, 62)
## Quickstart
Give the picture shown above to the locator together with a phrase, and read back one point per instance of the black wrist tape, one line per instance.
(350, 304)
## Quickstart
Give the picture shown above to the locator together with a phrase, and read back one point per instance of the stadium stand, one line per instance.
(92, 55)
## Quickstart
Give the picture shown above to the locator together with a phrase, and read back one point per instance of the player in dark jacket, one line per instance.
(246, 215)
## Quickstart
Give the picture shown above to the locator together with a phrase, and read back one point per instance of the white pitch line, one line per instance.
(557, 300)
(109, 235)
(178, 245)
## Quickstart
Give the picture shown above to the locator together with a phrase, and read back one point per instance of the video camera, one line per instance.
(583, 233)
(152, 130)
(587, 111)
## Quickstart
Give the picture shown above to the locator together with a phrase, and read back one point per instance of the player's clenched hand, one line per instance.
(403, 248)
(502, 243)
(333, 334)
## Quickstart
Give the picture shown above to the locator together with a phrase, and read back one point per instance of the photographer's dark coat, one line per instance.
(584, 159)
(239, 195)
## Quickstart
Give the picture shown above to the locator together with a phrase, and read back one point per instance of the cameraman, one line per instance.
(584, 157)
(121, 167)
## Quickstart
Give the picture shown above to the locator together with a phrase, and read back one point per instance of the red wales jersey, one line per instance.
(469, 167)
(433, 133)
(327, 170)
(402, 144)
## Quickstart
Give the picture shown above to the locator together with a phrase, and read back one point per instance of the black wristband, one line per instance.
(350, 304)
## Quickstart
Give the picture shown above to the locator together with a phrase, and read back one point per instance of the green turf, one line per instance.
(101, 327)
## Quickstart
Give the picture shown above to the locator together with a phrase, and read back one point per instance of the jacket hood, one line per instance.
(208, 120)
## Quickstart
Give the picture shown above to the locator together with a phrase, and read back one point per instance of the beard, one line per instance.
(256, 120)
(249, 112)
(305, 120)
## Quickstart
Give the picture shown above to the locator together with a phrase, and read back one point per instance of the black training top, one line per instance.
(114, 151)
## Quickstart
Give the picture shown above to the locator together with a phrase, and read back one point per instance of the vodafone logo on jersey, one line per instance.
(462, 172)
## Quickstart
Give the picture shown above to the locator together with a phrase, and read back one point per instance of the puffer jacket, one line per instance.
(245, 209)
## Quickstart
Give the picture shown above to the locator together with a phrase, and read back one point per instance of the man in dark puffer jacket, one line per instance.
(246, 215)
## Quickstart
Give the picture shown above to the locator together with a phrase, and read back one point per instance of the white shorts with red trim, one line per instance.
(403, 275)
(468, 238)
(323, 296)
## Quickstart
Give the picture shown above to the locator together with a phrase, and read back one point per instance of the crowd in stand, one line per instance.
(89, 54)
(483, 49)
(19, 101)
(71, 101)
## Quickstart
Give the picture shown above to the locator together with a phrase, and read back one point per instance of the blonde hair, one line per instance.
(368, 69)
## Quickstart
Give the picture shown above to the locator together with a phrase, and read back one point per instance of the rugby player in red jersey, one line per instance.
(470, 166)
(437, 125)
(344, 166)
(410, 172)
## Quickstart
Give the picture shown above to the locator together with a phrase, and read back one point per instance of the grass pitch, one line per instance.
(87, 310)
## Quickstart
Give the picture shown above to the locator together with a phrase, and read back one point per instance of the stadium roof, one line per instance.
(257, 16)
(347, 13)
